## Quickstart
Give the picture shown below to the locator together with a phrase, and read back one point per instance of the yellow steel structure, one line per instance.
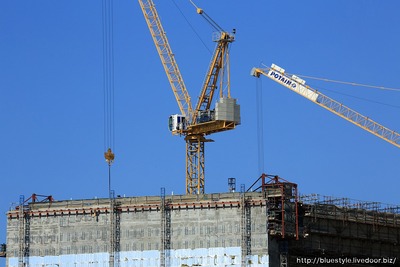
(217, 77)
(297, 85)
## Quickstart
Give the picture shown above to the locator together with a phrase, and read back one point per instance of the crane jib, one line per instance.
(292, 85)
(299, 86)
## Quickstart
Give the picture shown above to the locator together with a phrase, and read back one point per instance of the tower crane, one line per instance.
(299, 86)
(198, 122)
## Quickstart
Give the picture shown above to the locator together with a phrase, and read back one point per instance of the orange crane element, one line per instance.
(299, 86)
(195, 124)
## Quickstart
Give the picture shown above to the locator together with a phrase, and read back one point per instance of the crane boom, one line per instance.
(167, 57)
(297, 85)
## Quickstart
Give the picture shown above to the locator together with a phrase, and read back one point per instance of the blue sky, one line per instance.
(51, 104)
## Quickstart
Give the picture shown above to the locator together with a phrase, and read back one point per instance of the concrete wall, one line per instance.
(205, 231)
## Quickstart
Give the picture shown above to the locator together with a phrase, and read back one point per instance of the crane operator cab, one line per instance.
(177, 122)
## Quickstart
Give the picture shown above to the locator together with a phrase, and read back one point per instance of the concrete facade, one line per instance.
(204, 230)
(227, 229)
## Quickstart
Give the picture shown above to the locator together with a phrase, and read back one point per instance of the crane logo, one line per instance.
(282, 79)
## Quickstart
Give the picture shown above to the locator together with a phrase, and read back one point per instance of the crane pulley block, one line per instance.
(109, 156)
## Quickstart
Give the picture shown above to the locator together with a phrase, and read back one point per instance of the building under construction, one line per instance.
(270, 227)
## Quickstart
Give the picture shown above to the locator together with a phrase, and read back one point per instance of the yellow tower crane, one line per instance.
(299, 86)
(195, 124)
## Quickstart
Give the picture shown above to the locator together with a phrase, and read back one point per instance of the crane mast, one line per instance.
(298, 86)
(218, 66)
(196, 124)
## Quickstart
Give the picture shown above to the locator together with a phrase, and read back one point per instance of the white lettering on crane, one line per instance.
(293, 85)
(284, 80)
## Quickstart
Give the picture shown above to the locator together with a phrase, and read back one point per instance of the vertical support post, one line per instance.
(297, 211)
(248, 228)
(162, 249)
(245, 227)
(27, 220)
(167, 235)
(117, 229)
(112, 230)
(21, 226)
(263, 182)
(283, 198)
(165, 231)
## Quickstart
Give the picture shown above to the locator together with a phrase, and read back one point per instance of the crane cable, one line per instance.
(348, 83)
(340, 82)
(353, 84)
(191, 26)
(108, 83)
(219, 29)
(260, 126)
(207, 18)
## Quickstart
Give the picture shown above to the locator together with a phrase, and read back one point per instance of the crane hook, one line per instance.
(109, 156)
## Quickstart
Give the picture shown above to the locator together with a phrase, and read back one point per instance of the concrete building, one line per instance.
(203, 230)
(272, 227)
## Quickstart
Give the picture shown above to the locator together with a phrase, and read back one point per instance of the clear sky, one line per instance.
(51, 102)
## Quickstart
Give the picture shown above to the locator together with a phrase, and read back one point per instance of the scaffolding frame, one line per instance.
(245, 228)
(165, 231)
(344, 227)
(317, 199)
(24, 227)
(115, 231)
(282, 212)
(283, 206)
(21, 230)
